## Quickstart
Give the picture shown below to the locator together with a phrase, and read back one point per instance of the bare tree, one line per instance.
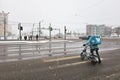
(108, 31)
(117, 31)
(75, 33)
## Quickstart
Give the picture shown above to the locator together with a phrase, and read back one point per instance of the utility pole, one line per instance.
(65, 39)
(32, 31)
(59, 33)
(50, 29)
(5, 23)
(65, 32)
(39, 29)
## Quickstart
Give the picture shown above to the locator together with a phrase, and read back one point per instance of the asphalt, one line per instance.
(67, 67)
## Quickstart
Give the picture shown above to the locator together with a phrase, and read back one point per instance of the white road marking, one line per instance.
(60, 59)
(68, 64)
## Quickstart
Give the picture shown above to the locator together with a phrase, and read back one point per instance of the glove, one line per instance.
(84, 44)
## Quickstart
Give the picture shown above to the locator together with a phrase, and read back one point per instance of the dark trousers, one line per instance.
(96, 50)
(92, 51)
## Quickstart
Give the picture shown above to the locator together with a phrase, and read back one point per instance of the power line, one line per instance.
(22, 22)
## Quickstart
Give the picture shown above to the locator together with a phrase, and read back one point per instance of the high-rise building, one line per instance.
(101, 30)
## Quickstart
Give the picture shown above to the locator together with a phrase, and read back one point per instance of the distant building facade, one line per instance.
(1, 24)
(101, 30)
(3, 21)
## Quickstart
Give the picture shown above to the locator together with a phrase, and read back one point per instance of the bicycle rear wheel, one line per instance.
(94, 59)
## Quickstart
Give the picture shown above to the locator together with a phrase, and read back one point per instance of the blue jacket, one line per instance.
(90, 42)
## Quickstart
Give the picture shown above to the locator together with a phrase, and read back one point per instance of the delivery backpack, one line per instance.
(95, 40)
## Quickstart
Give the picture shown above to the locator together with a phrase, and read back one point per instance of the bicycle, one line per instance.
(92, 58)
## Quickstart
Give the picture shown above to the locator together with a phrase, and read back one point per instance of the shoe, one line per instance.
(99, 62)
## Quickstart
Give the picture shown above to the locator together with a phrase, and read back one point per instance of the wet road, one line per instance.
(67, 67)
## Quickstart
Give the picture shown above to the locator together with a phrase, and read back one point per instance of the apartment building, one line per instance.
(101, 30)
(4, 23)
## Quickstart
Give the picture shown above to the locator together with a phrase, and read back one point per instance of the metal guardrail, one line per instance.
(38, 49)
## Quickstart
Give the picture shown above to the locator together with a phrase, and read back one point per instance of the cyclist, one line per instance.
(94, 41)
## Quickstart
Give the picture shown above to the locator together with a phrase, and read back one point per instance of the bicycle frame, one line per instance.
(85, 54)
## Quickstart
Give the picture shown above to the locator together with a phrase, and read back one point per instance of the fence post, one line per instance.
(3, 50)
(19, 51)
(38, 47)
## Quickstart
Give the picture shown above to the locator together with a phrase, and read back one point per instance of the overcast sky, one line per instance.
(72, 13)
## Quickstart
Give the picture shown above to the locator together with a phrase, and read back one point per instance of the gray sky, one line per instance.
(72, 13)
